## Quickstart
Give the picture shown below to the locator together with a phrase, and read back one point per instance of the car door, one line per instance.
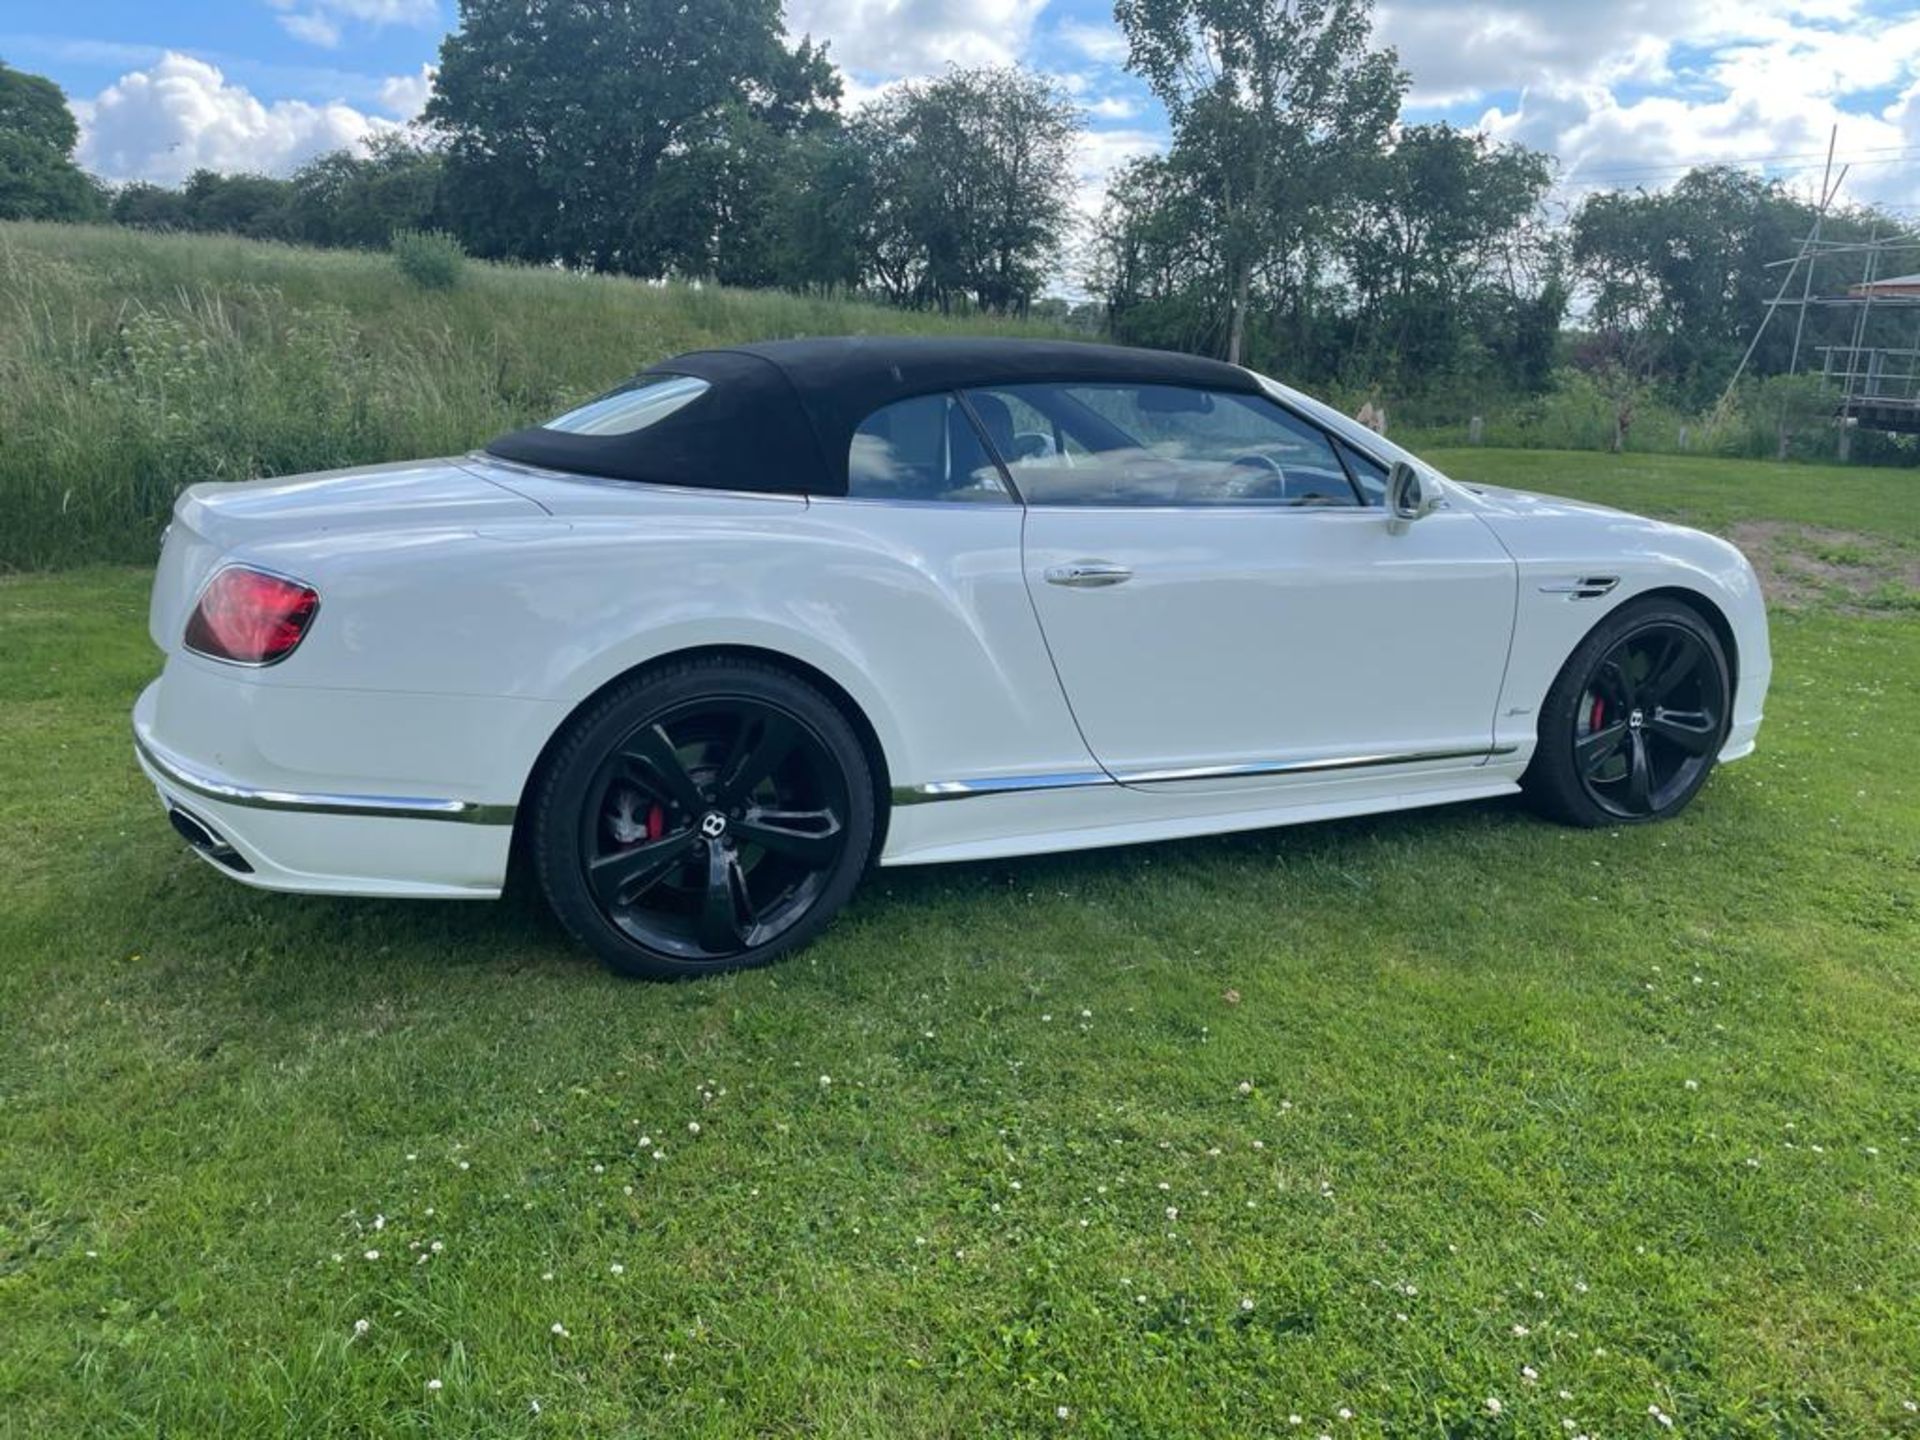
(1222, 603)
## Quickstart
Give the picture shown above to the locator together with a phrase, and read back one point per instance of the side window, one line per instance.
(1093, 444)
(1369, 474)
(925, 448)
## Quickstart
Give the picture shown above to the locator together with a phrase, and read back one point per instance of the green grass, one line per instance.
(132, 365)
(1444, 1095)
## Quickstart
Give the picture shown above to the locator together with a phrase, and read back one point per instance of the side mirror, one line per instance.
(1409, 497)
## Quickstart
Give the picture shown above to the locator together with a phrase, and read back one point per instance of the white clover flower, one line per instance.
(1246, 1302)
(433, 1384)
(616, 1268)
(1493, 1405)
(1529, 1374)
(1693, 1084)
(1344, 1413)
(1521, 1331)
(826, 1079)
(373, 1254)
(1246, 1087)
(693, 1127)
(360, 1327)
(559, 1329)
(1173, 1212)
(1061, 1412)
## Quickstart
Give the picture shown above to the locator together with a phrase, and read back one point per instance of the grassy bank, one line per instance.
(134, 364)
(1371, 1123)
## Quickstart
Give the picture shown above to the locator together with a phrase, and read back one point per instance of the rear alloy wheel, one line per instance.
(1632, 726)
(711, 816)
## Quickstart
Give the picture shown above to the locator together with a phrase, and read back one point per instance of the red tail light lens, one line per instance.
(251, 617)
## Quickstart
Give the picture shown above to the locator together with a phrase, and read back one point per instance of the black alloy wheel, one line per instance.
(1633, 725)
(711, 816)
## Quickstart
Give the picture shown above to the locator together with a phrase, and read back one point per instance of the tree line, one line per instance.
(1293, 221)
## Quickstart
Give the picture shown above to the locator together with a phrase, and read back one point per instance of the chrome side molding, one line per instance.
(177, 772)
(997, 785)
(1307, 767)
(1082, 779)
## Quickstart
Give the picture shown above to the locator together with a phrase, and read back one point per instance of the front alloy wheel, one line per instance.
(1649, 721)
(1632, 726)
(711, 816)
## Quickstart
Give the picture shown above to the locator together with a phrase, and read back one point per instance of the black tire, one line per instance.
(1633, 724)
(710, 814)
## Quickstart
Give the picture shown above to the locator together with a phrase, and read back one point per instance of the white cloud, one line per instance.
(1100, 153)
(886, 39)
(1104, 44)
(1636, 92)
(314, 28)
(319, 22)
(181, 114)
(405, 96)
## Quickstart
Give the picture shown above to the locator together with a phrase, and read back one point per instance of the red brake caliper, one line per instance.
(1593, 720)
(656, 822)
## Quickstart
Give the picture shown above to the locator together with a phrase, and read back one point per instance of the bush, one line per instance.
(432, 259)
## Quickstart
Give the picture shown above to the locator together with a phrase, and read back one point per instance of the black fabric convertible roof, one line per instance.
(780, 416)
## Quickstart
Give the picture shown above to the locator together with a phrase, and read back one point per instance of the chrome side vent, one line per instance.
(1585, 587)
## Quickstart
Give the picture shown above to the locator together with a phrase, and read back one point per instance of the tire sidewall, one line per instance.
(563, 794)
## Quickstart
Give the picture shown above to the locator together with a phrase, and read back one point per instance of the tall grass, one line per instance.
(132, 365)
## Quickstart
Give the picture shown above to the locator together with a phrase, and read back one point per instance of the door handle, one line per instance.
(1088, 574)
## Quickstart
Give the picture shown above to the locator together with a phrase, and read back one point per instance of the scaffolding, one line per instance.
(1875, 370)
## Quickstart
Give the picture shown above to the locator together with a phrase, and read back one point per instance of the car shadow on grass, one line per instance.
(341, 941)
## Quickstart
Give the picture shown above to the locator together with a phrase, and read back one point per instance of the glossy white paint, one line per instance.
(468, 606)
(1243, 637)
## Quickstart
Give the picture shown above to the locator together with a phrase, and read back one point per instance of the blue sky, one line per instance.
(1622, 91)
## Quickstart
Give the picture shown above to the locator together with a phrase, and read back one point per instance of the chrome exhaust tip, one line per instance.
(205, 839)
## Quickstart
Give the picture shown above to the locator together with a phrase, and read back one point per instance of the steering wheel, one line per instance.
(1269, 480)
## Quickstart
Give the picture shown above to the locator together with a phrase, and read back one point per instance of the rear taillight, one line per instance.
(251, 617)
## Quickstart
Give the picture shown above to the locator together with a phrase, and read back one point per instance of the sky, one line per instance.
(1624, 92)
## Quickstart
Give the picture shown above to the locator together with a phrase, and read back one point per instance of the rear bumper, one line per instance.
(327, 842)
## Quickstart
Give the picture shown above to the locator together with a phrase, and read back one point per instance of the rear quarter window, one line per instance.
(639, 403)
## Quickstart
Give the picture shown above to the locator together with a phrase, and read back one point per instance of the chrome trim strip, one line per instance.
(400, 807)
(997, 785)
(1082, 779)
(1305, 767)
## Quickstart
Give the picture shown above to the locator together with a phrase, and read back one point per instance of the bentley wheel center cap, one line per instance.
(1634, 722)
(713, 825)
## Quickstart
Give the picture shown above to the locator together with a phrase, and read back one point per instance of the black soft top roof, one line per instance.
(780, 415)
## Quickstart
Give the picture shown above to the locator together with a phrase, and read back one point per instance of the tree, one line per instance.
(1275, 105)
(971, 174)
(363, 199)
(577, 131)
(251, 205)
(1447, 247)
(38, 177)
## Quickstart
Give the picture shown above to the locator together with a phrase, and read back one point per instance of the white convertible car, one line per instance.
(762, 616)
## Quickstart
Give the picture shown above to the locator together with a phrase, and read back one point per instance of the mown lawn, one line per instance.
(1380, 1125)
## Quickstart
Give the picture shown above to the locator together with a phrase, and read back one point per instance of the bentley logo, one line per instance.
(713, 825)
